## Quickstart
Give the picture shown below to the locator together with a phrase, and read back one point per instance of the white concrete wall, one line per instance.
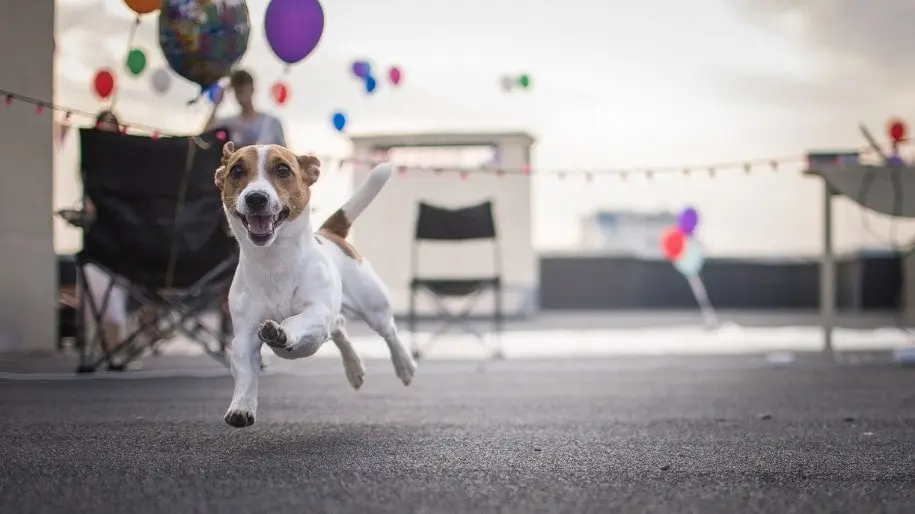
(28, 274)
(384, 233)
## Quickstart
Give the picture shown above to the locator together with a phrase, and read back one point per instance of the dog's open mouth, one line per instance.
(261, 227)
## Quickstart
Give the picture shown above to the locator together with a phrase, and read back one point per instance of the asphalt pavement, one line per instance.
(596, 435)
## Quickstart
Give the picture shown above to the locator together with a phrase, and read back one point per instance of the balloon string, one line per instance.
(130, 38)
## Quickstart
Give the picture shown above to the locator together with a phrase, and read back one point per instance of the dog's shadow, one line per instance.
(326, 446)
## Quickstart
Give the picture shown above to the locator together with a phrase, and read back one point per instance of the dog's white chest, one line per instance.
(282, 297)
(268, 296)
(279, 294)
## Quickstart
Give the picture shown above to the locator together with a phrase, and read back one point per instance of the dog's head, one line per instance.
(265, 188)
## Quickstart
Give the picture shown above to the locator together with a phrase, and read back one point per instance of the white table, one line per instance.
(878, 188)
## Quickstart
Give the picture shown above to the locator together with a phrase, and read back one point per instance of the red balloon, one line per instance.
(280, 93)
(672, 243)
(103, 83)
(395, 75)
(897, 130)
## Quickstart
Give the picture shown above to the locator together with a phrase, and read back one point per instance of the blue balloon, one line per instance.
(370, 84)
(691, 259)
(212, 91)
(339, 121)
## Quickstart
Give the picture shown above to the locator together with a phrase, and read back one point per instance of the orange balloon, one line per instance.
(672, 243)
(143, 6)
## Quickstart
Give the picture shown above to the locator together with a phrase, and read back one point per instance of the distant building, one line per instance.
(625, 232)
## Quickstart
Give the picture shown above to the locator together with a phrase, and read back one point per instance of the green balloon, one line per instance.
(136, 61)
(524, 81)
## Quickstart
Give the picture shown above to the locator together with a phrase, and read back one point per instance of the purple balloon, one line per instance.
(688, 220)
(293, 28)
(361, 69)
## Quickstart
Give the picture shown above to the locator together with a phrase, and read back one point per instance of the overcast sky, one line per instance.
(616, 84)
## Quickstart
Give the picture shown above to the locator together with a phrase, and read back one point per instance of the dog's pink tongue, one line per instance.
(260, 225)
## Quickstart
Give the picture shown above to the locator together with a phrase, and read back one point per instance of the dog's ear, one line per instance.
(220, 178)
(311, 167)
(227, 150)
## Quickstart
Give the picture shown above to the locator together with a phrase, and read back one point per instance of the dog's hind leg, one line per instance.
(369, 299)
(352, 363)
(404, 365)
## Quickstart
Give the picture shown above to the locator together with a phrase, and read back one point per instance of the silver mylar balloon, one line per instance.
(161, 80)
(508, 83)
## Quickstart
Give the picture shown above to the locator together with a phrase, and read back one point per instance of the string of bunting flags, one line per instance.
(747, 166)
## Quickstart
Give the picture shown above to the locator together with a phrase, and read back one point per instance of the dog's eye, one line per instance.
(235, 172)
(282, 171)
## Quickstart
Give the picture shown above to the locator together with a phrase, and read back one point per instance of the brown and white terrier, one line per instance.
(293, 286)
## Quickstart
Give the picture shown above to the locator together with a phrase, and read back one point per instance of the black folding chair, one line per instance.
(67, 303)
(440, 224)
(158, 231)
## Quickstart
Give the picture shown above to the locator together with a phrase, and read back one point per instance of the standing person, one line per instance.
(250, 126)
(107, 121)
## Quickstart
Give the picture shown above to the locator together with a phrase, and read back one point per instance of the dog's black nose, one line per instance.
(256, 200)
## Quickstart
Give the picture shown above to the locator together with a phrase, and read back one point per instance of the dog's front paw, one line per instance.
(272, 334)
(239, 418)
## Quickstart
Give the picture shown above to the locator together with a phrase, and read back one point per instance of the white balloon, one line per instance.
(161, 80)
(508, 83)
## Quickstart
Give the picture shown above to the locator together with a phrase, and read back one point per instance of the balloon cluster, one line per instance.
(203, 39)
(363, 71)
(510, 83)
(681, 247)
(103, 82)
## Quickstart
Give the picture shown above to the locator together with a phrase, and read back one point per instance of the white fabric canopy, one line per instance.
(882, 189)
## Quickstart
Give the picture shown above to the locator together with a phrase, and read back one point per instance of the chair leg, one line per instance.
(411, 323)
(113, 332)
(497, 318)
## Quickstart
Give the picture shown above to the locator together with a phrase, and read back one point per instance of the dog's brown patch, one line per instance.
(229, 187)
(240, 167)
(337, 224)
(344, 245)
(335, 229)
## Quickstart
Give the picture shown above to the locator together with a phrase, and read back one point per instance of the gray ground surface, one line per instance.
(699, 435)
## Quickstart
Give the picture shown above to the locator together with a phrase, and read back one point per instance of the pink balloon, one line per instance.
(394, 75)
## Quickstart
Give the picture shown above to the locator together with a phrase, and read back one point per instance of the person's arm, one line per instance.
(212, 120)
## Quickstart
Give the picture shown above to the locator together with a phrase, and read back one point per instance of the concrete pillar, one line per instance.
(908, 287)
(28, 272)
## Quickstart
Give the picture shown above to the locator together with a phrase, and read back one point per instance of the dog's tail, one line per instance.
(340, 221)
